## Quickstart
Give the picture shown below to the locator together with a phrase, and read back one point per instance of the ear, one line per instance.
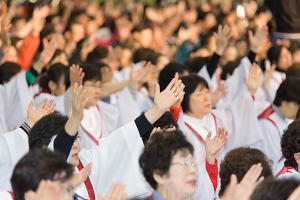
(52, 86)
(160, 179)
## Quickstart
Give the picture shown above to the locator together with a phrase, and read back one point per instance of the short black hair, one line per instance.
(229, 68)
(238, 162)
(168, 73)
(38, 165)
(289, 91)
(48, 126)
(8, 70)
(290, 143)
(274, 53)
(159, 151)
(91, 72)
(54, 73)
(293, 71)
(275, 189)
(145, 54)
(195, 64)
(97, 54)
(191, 83)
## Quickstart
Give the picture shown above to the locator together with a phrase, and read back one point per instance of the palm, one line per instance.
(213, 145)
(253, 79)
(173, 92)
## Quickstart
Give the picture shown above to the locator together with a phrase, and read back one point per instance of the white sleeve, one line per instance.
(5, 195)
(115, 159)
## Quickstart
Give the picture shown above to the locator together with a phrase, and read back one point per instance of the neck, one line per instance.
(169, 194)
(198, 116)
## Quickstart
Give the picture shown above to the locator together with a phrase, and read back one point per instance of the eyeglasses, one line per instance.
(186, 164)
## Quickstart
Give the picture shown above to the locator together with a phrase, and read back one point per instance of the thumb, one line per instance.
(157, 89)
(208, 136)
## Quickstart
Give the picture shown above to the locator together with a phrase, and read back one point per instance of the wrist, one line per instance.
(210, 158)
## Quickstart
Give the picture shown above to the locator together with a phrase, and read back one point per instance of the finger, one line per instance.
(157, 89)
(30, 106)
(208, 136)
(43, 103)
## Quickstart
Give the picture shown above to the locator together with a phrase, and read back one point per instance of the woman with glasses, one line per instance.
(169, 167)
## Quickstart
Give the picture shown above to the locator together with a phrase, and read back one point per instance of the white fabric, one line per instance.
(274, 83)
(271, 138)
(290, 174)
(5, 195)
(98, 122)
(115, 159)
(59, 101)
(13, 146)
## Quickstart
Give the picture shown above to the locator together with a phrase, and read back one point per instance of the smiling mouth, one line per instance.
(192, 182)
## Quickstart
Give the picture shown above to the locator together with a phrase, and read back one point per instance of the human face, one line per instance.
(181, 179)
(200, 102)
(59, 88)
(74, 153)
(285, 59)
(289, 109)
(93, 92)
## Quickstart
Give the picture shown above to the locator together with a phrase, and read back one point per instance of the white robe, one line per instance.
(233, 119)
(5, 195)
(115, 159)
(274, 83)
(59, 101)
(13, 146)
(288, 173)
(98, 122)
(16, 95)
(272, 127)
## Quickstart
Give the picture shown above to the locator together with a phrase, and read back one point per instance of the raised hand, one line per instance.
(244, 189)
(258, 38)
(81, 176)
(213, 145)
(35, 114)
(222, 38)
(76, 75)
(173, 92)
(116, 192)
(253, 80)
(79, 101)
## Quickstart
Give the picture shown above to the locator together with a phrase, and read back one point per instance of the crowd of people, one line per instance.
(153, 100)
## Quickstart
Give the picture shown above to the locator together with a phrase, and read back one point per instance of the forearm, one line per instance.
(72, 125)
(111, 88)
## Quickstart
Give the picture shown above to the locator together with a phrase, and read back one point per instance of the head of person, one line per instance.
(46, 130)
(280, 56)
(143, 35)
(54, 80)
(288, 97)
(168, 165)
(91, 83)
(168, 73)
(77, 32)
(197, 98)
(238, 162)
(8, 70)
(290, 145)
(275, 189)
(97, 54)
(38, 165)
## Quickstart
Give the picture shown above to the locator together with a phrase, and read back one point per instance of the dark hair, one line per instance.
(289, 91)
(91, 72)
(48, 126)
(54, 73)
(97, 54)
(238, 162)
(290, 143)
(191, 83)
(229, 68)
(168, 73)
(35, 166)
(274, 53)
(195, 64)
(275, 189)
(8, 70)
(145, 54)
(159, 151)
(164, 122)
(293, 71)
